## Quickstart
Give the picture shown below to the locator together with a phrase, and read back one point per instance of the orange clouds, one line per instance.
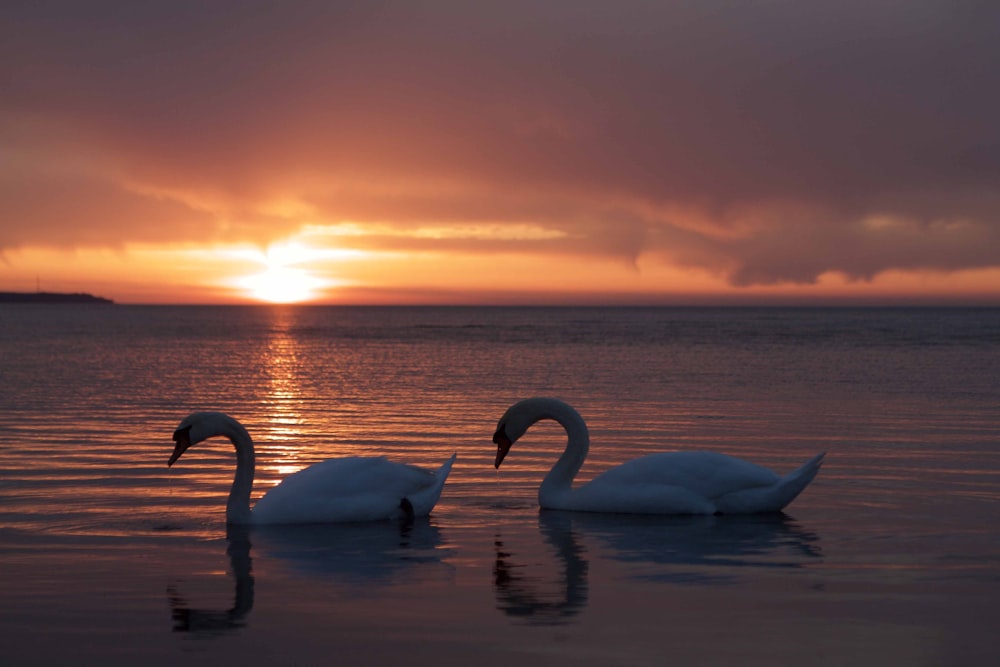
(645, 151)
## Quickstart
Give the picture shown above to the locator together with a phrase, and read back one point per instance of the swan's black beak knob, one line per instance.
(503, 444)
(182, 437)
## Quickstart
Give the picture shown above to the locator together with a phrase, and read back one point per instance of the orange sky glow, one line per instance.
(591, 153)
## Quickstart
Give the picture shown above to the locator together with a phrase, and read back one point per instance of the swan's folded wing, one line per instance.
(670, 483)
(635, 498)
(707, 474)
(345, 489)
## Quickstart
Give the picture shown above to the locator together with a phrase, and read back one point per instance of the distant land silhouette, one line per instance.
(51, 297)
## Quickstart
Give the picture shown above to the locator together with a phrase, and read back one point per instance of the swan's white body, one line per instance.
(338, 490)
(668, 483)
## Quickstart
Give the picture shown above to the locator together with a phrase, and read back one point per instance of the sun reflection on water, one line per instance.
(282, 402)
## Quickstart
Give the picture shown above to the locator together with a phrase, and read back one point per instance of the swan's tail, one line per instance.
(424, 500)
(792, 484)
(772, 497)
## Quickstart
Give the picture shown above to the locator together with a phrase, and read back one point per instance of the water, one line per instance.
(891, 556)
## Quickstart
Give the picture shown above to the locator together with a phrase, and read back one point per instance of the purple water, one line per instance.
(892, 556)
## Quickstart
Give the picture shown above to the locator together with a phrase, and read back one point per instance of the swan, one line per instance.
(666, 483)
(355, 488)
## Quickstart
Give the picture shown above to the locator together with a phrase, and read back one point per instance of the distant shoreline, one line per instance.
(52, 297)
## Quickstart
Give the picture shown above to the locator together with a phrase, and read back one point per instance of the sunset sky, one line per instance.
(502, 152)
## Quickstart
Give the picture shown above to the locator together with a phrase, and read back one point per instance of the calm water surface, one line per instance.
(892, 556)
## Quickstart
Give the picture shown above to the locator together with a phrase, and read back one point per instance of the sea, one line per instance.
(890, 557)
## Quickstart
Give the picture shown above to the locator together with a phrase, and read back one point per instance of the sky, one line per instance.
(822, 152)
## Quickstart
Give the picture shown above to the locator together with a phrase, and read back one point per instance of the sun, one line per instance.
(282, 284)
(282, 281)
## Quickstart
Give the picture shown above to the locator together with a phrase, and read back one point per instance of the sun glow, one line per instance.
(283, 284)
(283, 281)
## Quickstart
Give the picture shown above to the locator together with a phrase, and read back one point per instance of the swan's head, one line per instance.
(503, 443)
(514, 423)
(197, 427)
(182, 440)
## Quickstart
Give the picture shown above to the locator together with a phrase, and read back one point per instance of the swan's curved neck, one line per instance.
(560, 479)
(238, 506)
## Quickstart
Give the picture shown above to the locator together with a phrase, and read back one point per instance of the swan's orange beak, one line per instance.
(182, 437)
(503, 444)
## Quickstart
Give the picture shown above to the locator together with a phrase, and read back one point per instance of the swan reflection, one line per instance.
(705, 550)
(522, 595)
(702, 549)
(362, 557)
(209, 623)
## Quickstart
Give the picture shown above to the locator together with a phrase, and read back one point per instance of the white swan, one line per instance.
(667, 483)
(338, 490)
